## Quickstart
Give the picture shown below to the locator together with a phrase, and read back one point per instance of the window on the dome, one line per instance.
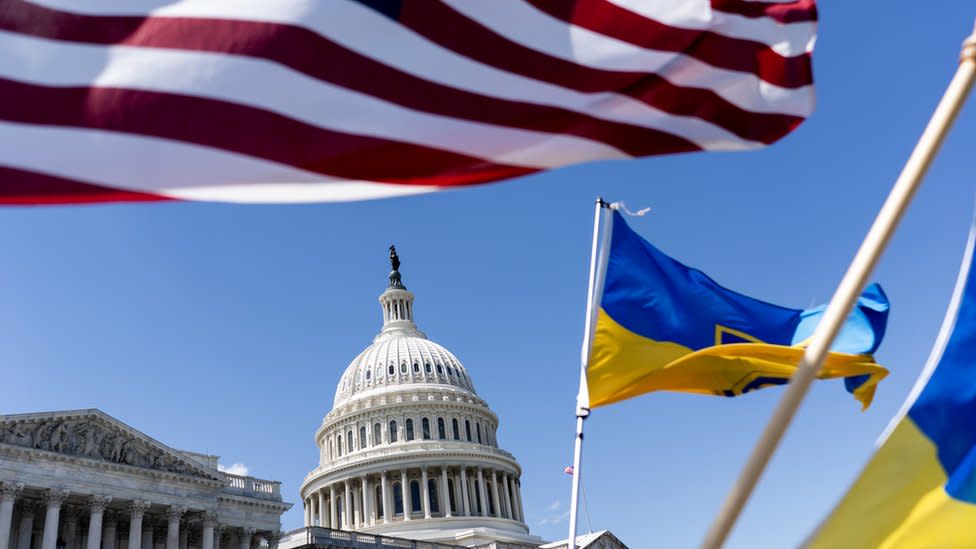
(425, 428)
(349, 440)
(467, 429)
(369, 374)
(392, 371)
(432, 496)
(362, 437)
(329, 444)
(377, 434)
(477, 497)
(440, 370)
(454, 426)
(403, 368)
(450, 371)
(478, 428)
(393, 431)
(490, 498)
(409, 426)
(339, 444)
(378, 498)
(416, 368)
(414, 496)
(397, 499)
(440, 429)
(427, 367)
(452, 497)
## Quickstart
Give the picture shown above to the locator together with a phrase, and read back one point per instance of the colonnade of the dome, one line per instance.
(436, 491)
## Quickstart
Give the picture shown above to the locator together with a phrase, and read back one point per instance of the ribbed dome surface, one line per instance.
(400, 360)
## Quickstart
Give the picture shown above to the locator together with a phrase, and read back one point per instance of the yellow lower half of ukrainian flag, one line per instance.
(899, 502)
(624, 364)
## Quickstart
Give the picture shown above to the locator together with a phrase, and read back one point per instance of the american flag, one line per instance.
(331, 100)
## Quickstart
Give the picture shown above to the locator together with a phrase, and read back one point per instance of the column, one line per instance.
(8, 493)
(26, 529)
(369, 513)
(136, 510)
(483, 495)
(185, 537)
(53, 498)
(307, 502)
(518, 498)
(424, 493)
(96, 508)
(347, 503)
(333, 523)
(173, 515)
(507, 496)
(405, 490)
(246, 534)
(110, 536)
(209, 524)
(494, 493)
(218, 536)
(466, 507)
(385, 489)
(445, 493)
(323, 518)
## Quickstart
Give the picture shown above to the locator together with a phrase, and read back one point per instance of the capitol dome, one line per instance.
(409, 449)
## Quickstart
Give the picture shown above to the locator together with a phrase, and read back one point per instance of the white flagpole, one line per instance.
(599, 253)
(847, 292)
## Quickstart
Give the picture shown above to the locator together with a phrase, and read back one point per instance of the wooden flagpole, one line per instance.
(848, 291)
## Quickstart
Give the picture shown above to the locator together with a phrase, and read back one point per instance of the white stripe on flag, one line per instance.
(175, 169)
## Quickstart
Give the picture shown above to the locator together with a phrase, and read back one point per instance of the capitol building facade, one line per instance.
(409, 449)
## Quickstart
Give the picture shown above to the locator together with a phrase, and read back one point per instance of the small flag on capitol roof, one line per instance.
(663, 326)
(305, 100)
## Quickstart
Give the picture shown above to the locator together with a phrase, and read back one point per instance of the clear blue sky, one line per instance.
(224, 329)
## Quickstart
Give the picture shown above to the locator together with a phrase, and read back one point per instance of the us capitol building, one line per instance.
(408, 458)
(409, 449)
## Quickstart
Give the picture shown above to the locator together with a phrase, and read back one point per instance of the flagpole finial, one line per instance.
(395, 281)
(969, 47)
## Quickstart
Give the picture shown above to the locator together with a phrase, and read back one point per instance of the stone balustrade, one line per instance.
(254, 487)
(330, 538)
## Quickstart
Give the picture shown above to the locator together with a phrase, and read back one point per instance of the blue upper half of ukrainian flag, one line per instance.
(653, 295)
(657, 313)
(945, 410)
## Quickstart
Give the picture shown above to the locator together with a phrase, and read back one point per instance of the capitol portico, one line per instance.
(409, 449)
(83, 480)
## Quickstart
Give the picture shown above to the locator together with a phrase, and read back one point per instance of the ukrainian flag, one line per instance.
(663, 326)
(919, 488)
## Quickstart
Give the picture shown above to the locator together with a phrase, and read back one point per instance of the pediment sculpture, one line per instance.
(90, 438)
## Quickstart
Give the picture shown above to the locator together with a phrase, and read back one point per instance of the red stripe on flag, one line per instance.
(719, 51)
(800, 11)
(245, 130)
(31, 188)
